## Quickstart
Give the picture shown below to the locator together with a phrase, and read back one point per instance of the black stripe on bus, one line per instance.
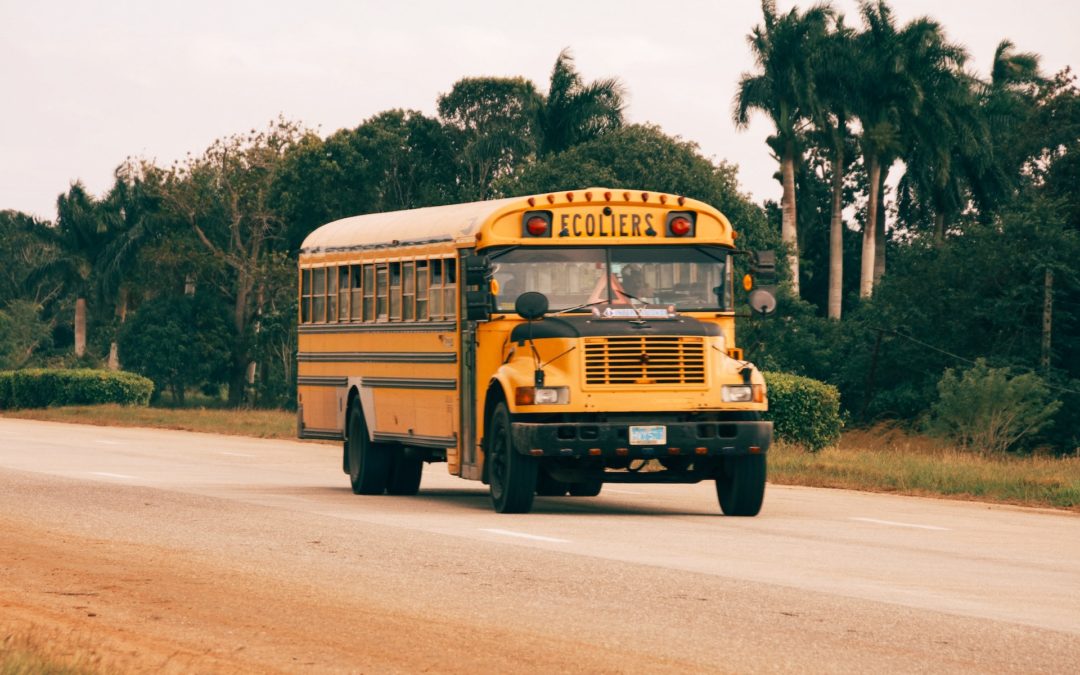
(403, 327)
(378, 357)
(414, 440)
(322, 434)
(321, 381)
(408, 383)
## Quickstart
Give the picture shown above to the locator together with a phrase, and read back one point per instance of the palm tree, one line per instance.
(80, 235)
(835, 90)
(574, 112)
(783, 88)
(901, 71)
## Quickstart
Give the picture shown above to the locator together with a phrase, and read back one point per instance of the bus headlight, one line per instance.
(742, 393)
(542, 395)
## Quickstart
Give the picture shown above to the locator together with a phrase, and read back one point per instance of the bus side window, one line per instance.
(395, 291)
(369, 293)
(343, 293)
(318, 294)
(305, 296)
(408, 291)
(355, 297)
(381, 293)
(435, 290)
(422, 284)
(449, 288)
(331, 294)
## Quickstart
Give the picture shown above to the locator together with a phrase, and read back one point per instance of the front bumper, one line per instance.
(583, 439)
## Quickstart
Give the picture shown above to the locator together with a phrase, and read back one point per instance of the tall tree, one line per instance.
(836, 95)
(495, 120)
(783, 87)
(574, 112)
(223, 198)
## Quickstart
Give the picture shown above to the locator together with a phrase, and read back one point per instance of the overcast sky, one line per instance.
(85, 84)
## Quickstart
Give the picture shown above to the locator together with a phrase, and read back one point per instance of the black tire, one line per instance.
(405, 475)
(590, 487)
(740, 485)
(512, 476)
(369, 463)
(546, 486)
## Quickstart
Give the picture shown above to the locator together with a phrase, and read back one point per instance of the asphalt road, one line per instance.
(172, 550)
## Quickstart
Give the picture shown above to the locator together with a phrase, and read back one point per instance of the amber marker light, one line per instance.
(747, 282)
(701, 451)
(588, 196)
(663, 199)
(622, 452)
(674, 451)
(755, 450)
(569, 196)
(532, 201)
(682, 200)
(595, 452)
(607, 196)
(551, 199)
(644, 196)
(536, 452)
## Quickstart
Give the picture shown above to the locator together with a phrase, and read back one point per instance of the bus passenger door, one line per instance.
(470, 467)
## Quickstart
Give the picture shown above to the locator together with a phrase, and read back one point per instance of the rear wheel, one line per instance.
(512, 475)
(405, 474)
(369, 463)
(740, 485)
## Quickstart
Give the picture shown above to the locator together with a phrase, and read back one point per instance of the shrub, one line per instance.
(5, 388)
(41, 388)
(986, 409)
(803, 410)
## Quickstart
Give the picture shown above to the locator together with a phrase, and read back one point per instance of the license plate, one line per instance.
(652, 435)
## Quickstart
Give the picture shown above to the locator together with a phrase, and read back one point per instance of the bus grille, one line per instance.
(645, 360)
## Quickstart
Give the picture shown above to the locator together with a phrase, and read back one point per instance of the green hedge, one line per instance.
(803, 410)
(41, 388)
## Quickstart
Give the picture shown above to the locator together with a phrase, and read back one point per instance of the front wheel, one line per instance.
(405, 474)
(740, 485)
(512, 475)
(369, 463)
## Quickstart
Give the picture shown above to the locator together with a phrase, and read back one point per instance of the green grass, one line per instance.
(885, 460)
(19, 655)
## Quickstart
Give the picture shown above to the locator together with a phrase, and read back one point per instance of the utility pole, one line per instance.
(1047, 322)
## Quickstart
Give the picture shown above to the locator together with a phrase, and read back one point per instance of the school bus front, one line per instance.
(611, 343)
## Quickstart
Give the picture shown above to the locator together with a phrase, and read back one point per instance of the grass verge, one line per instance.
(888, 460)
(257, 423)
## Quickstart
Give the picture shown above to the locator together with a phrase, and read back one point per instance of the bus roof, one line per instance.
(459, 221)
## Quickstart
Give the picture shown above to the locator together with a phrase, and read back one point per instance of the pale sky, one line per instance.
(84, 84)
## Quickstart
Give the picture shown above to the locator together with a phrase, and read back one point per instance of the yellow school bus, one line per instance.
(544, 345)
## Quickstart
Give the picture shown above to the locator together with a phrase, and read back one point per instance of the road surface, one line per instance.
(169, 551)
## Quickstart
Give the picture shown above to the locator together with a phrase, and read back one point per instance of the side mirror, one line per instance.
(762, 301)
(531, 305)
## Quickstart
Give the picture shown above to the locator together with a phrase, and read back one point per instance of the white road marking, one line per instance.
(622, 492)
(536, 537)
(896, 524)
(237, 454)
(110, 475)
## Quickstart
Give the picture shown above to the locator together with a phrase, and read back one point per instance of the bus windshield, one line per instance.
(692, 278)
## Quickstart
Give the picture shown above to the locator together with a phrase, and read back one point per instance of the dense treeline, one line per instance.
(929, 223)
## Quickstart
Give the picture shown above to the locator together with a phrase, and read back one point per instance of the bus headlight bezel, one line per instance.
(737, 393)
(542, 395)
